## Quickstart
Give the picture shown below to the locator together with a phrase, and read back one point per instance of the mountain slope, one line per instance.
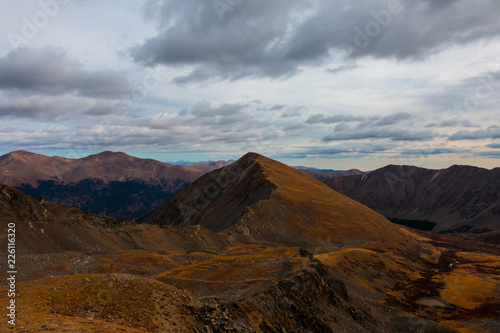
(47, 227)
(106, 184)
(328, 174)
(259, 199)
(463, 198)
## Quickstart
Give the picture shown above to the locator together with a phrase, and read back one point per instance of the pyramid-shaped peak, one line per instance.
(260, 199)
(251, 155)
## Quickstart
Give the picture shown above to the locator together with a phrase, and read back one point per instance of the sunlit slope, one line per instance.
(257, 199)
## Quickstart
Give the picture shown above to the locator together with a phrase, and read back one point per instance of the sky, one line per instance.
(335, 84)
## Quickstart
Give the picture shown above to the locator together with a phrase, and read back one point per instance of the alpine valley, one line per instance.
(248, 246)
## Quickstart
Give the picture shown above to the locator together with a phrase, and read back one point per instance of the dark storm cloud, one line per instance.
(50, 71)
(492, 132)
(262, 38)
(494, 145)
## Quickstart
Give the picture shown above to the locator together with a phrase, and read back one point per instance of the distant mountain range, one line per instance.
(460, 200)
(107, 184)
(328, 173)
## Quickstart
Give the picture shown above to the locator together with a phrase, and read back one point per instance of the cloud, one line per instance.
(50, 108)
(433, 151)
(492, 132)
(395, 134)
(494, 145)
(277, 39)
(323, 119)
(453, 122)
(343, 150)
(399, 126)
(476, 92)
(393, 119)
(203, 110)
(40, 107)
(50, 71)
(342, 68)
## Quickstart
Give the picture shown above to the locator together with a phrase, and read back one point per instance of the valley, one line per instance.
(256, 246)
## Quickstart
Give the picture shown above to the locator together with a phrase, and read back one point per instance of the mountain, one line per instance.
(206, 167)
(260, 199)
(322, 174)
(46, 227)
(107, 184)
(354, 271)
(461, 200)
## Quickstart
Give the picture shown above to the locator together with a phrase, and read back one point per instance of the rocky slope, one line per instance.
(461, 200)
(106, 184)
(44, 227)
(260, 199)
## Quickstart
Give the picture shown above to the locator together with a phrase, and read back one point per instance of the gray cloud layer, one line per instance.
(262, 38)
(50, 71)
(492, 132)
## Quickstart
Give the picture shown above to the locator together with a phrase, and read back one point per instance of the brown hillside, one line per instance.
(107, 184)
(46, 227)
(461, 200)
(259, 199)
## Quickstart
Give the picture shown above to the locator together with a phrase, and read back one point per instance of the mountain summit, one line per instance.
(108, 184)
(259, 199)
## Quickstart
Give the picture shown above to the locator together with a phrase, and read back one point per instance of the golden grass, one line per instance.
(375, 271)
(467, 289)
(135, 263)
(98, 303)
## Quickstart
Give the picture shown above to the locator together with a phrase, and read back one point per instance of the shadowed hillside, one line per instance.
(461, 200)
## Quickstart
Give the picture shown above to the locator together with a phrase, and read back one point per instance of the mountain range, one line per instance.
(460, 200)
(107, 184)
(255, 246)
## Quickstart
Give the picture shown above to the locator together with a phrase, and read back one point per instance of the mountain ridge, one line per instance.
(299, 214)
(106, 184)
(452, 198)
